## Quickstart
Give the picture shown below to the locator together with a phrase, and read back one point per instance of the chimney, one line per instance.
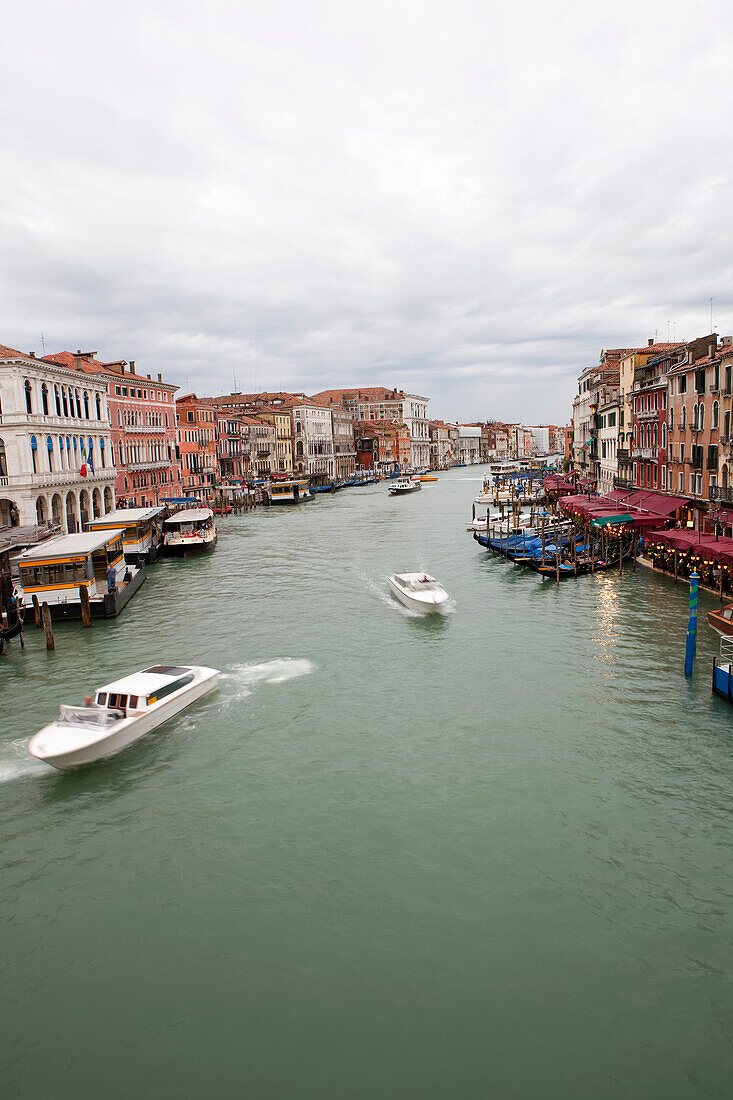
(32, 354)
(651, 341)
(132, 366)
(148, 378)
(160, 377)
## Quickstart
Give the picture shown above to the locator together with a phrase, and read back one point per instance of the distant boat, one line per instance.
(418, 591)
(404, 485)
(428, 477)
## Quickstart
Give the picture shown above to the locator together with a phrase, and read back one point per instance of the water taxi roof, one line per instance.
(126, 515)
(64, 545)
(148, 680)
(189, 515)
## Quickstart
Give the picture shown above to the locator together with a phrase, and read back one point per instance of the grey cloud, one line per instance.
(469, 200)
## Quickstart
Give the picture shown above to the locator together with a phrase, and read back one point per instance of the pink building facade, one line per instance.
(143, 426)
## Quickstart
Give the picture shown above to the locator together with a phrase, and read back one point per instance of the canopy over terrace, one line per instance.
(702, 548)
(556, 484)
(612, 509)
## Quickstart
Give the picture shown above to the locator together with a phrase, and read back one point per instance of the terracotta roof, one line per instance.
(361, 393)
(11, 353)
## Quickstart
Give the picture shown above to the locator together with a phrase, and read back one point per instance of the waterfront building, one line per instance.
(443, 449)
(230, 448)
(380, 403)
(723, 492)
(312, 439)
(56, 462)
(568, 441)
(282, 454)
(383, 447)
(275, 453)
(607, 422)
(469, 444)
(597, 386)
(196, 418)
(258, 447)
(694, 424)
(143, 426)
(499, 437)
(632, 373)
(344, 447)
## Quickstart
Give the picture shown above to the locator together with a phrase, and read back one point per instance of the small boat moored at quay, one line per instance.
(122, 712)
(189, 531)
(418, 591)
(404, 485)
(291, 491)
(56, 569)
(142, 537)
(721, 620)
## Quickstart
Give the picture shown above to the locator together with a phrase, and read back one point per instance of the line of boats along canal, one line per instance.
(122, 712)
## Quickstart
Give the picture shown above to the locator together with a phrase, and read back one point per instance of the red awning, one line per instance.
(658, 502)
(704, 547)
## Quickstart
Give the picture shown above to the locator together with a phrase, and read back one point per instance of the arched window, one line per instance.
(683, 418)
(101, 451)
(701, 416)
(3, 462)
(28, 397)
(44, 398)
(716, 414)
(99, 408)
(664, 436)
(34, 448)
(671, 418)
(49, 448)
(64, 400)
(86, 404)
(78, 404)
(57, 399)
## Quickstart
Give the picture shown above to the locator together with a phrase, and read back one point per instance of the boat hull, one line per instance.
(190, 546)
(126, 734)
(415, 604)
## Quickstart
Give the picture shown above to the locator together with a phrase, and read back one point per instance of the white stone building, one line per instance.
(379, 403)
(312, 439)
(608, 424)
(469, 444)
(53, 421)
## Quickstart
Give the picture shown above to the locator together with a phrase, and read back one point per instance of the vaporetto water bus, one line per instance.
(292, 491)
(121, 713)
(54, 571)
(141, 531)
(189, 532)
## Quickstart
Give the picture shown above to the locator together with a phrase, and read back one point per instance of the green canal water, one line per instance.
(488, 854)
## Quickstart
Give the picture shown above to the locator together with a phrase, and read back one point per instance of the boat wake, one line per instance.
(245, 677)
(15, 763)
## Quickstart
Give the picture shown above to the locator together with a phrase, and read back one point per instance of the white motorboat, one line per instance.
(189, 531)
(121, 713)
(418, 591)
(405, 485)
(514, 522)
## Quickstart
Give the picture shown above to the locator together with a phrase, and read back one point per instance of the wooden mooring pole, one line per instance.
(86, 611)
(36, 611)
(47, 627)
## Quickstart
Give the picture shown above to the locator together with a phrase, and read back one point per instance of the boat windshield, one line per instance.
(89, 716)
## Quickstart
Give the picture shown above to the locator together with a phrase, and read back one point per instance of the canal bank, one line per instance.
(486, 854)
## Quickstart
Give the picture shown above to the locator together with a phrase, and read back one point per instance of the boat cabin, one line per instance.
(138, 692)
(55, 569)
(189, 529)
(291, 491)
(140, 530)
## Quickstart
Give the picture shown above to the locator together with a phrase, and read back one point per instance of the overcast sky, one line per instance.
(467, 200)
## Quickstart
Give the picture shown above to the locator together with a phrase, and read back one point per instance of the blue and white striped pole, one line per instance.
(691, 640)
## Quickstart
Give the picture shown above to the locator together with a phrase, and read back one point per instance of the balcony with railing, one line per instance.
(647, 454)
(49, 478)
(647, 414)
(722, 494)
(623, 483)
(623, 455)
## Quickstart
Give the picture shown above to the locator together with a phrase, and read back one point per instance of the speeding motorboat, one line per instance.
(121, 713)
(405, 485)
(418, 591)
